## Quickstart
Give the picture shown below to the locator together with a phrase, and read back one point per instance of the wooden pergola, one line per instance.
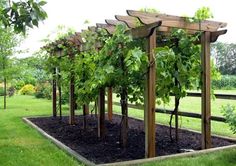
(149, 26)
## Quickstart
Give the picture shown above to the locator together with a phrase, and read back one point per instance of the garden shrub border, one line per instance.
(85, 161)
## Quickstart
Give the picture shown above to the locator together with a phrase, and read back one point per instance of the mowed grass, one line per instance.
(220, 158)
(22, 145)
(190, 104)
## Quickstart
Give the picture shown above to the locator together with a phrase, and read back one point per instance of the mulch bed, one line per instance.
(87, 144)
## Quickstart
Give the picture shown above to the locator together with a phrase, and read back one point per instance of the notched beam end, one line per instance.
(144, 31)
(215, 35)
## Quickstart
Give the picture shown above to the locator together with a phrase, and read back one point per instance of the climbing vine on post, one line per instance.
(121, 64)
(179, 65)
(178, 68)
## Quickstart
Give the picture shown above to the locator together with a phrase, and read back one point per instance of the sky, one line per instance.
(73, 13)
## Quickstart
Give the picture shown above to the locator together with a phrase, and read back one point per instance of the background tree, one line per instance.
(225, 57)
(22, 14)
(9, 40)
(31, 71)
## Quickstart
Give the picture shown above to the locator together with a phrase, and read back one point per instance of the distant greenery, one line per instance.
(27, 90)
(225, 57)
(43, 90)
(226, 82)
(31, 71)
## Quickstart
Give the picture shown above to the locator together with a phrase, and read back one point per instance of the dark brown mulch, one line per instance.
(108, 150)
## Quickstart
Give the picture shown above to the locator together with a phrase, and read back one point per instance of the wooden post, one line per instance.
(59, 90)
(72, 97)
(54, 94)
(101, 113)
(149, 112)
(206, 91)
(109, 103)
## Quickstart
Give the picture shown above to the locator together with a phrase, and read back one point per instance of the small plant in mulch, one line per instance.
(229, 112)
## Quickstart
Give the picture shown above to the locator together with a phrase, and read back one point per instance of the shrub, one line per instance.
(11, 91)
(43, 90)
(18, 84)
(65, 97)
(226, 82)
(230, 116)
(27, 90)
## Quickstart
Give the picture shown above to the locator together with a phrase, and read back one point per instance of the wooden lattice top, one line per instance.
(140, 24)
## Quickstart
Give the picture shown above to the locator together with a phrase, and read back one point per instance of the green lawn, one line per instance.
(191, 104)
(222, 158)
(22, 145)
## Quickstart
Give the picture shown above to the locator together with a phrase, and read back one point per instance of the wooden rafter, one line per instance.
(144, 31)
(177, 22)
(131, 22)
(109, 28)
(114, 22)
(216, 34)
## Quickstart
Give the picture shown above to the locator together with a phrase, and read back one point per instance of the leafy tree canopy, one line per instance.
(22, 14)
(225, 57)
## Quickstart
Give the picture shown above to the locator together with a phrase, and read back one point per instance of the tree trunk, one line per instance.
(5, 93)
(101, 115)
(175, 112)
(124, 106)
(96, 108)
(176, 119)
(124, 120)
(85, 113)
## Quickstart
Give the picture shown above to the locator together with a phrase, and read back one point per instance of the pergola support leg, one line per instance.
(72, 100)
(149, 112)
(54, 94)
(109, 103)
(206, 91)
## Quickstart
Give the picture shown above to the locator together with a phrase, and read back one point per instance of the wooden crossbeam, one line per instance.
(216, 34)
(131, 22)
(79, 37)
(109, 28)
(92, 28)
(114, 22)
(177, 22)
(144, 31)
